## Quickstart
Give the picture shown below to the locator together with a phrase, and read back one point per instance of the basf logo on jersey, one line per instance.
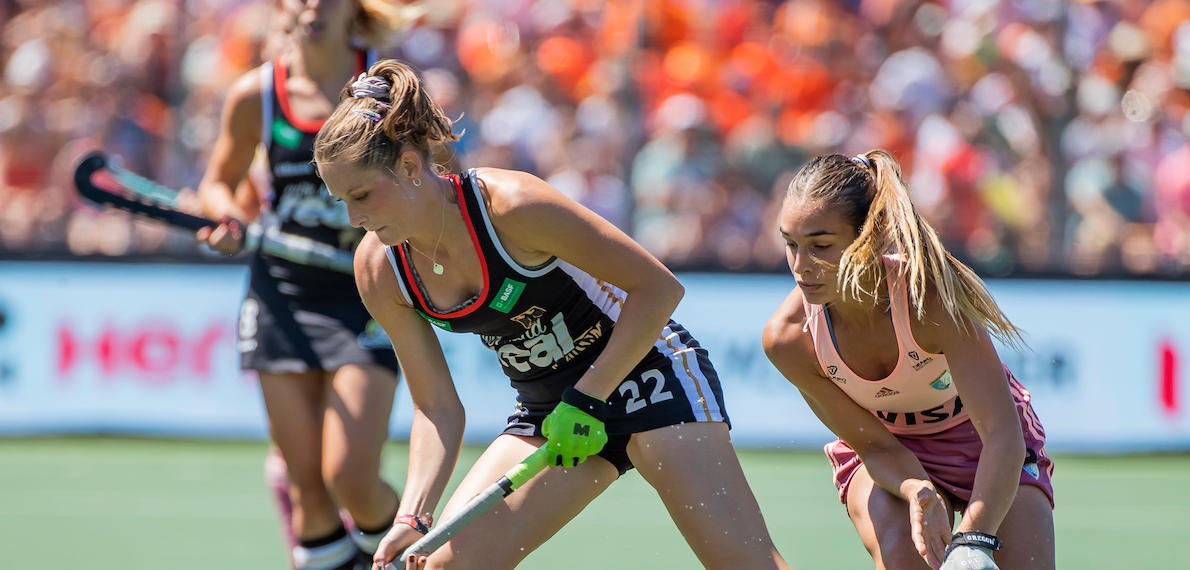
(123, 348)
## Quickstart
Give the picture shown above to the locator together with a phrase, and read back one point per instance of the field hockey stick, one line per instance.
(476, 507)
(147, 193)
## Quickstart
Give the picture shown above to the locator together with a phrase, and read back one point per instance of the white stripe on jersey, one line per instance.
(392, 260)
(690, 375)
(608, 297)
(487, 222)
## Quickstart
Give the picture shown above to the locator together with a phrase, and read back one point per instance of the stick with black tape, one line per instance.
(475, 508)
(294, 248)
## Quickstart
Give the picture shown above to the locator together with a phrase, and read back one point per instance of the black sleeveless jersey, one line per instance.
(547, 324)
(298, 202)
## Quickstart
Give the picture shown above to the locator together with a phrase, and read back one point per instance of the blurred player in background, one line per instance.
(326, 370)
(576, 312)
(889, 339)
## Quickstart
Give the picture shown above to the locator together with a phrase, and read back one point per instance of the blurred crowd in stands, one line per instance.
(1036, 135)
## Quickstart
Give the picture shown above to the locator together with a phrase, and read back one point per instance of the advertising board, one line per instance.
(150, 349)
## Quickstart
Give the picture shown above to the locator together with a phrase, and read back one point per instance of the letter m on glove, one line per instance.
(580, 429)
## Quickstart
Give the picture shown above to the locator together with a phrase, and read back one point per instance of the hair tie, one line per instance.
(375, 87)
(861, 159)
(367, 114)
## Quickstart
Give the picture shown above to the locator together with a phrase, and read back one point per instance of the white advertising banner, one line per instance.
(150, 349)
(124, 348)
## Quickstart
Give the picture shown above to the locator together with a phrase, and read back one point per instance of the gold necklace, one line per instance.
(438, 269)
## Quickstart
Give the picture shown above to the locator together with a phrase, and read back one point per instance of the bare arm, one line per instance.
(891, 465)
(438, 419)
(980, 380)
(539, 219)
(235, 147)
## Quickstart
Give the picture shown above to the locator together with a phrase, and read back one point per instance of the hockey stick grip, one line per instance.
(475, 508)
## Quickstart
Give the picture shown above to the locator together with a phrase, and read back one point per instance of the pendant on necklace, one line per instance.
(437, 269)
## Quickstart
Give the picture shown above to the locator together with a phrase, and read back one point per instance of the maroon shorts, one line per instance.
(950, 457)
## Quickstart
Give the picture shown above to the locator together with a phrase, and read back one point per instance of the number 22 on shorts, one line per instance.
(634, 392)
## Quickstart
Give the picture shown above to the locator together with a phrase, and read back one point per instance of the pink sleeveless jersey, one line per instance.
(918, 398)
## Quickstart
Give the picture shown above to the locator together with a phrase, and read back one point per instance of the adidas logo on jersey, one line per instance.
(886, 391)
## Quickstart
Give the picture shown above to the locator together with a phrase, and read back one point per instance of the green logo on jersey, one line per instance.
(507, 296)
(286, 134)
(440, 324)
(943, 381)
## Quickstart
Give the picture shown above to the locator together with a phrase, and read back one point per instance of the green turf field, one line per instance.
(100, 503)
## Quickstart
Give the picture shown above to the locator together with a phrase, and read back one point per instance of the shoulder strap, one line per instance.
(486, 231)
(266, 104)
(392, 253)
(898, 300)
(471, 197)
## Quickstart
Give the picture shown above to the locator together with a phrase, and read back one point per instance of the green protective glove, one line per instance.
(574, 430)
(971, 551)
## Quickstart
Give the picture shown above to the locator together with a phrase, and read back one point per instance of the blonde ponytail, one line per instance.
(875, 199)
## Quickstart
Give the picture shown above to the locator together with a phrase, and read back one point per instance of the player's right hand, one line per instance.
(930, 524)
(227, 237)
(573, 434)
(399, 538)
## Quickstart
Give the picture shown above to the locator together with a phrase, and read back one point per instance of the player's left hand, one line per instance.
(930, 524)
(971, 551)
(574, 430)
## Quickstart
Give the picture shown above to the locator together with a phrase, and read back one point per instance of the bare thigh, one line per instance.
(294, 403)
(882, 521)
(504, 536)
(1027, 532)
(359, 401)
(695, 471)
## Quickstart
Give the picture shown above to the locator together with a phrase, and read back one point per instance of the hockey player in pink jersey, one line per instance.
(889, 339)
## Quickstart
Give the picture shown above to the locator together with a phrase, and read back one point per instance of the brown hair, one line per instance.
(372, 130)
(377, 19)
(873, 197)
